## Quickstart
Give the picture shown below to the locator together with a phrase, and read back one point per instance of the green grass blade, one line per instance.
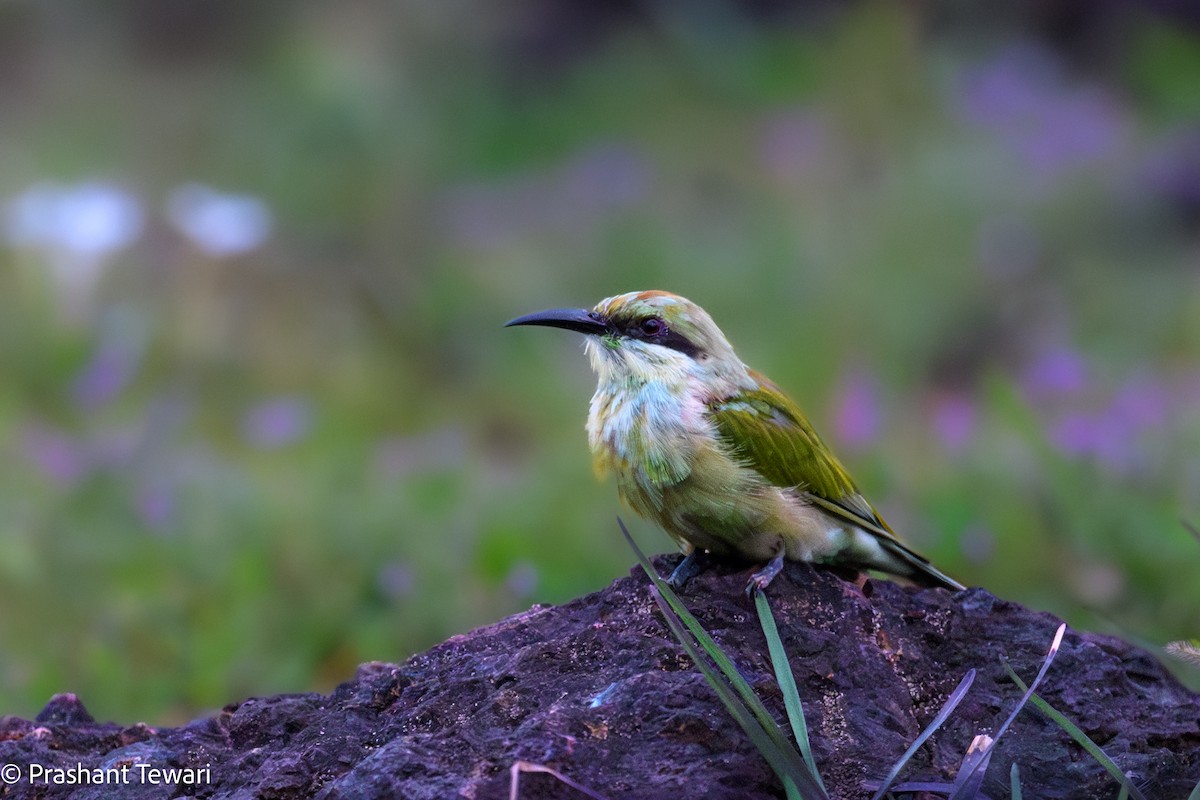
(1081, 738)
(736, 709)
(786, 681)
(1195, 795)
(775, 747)
(784, 760)
(962, 780)
(1124, 793)
(947, 709)
(1014, 780)
(705, 641)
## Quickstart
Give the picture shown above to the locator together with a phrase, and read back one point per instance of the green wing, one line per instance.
(772, 436)
(765, 428)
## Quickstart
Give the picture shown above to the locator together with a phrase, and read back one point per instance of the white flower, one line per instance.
(87, 219)
(219, 223)
(76, 228)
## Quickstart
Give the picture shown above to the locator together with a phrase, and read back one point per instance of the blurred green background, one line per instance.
(260, 421)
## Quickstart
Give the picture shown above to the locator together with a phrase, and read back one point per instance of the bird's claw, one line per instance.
(691, 566)
(761, 579)
(755, 585)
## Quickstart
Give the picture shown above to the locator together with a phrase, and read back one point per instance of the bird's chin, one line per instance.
(602, 356)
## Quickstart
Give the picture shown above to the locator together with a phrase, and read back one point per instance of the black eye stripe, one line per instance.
(664, 336)
(677, 341)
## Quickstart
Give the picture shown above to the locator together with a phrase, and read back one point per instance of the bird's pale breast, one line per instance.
(671, 467)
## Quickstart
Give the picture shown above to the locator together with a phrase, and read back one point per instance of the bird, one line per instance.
(714, 452)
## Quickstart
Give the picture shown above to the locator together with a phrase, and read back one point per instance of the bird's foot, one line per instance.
(692, 565)
(760, 579)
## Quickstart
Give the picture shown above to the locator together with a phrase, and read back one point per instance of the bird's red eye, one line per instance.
(653, 326)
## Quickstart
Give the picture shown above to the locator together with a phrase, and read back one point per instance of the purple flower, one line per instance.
(1088, 435)
(857, 417)
(1080, 128)
(1051, 125)
(109, 371)
(1116, 446)
(1142, 403)
(1113, 434)
(1055, 372)
(278, 422)
(55, 454)
(954, 421)
(1009, 87)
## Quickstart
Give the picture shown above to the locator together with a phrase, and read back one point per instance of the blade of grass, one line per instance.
(962, 780)
(947, 708)
(922, 786)
(1014, 781)
(518, 767)
(705, 641)
(1195, 795)
(783, 759)
(778, 747)
(1081, 738)
(786, 681)
(974, 766)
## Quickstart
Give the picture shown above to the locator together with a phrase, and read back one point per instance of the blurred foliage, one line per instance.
(260, 421)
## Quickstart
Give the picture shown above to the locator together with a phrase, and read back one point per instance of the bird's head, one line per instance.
(640, 337)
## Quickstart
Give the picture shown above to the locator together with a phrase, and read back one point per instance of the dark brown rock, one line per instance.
(598, 690)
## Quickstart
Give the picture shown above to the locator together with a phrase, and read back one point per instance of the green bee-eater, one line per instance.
(714, 452)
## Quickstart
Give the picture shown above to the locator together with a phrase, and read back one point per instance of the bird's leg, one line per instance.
(692, 565)
(760, 579)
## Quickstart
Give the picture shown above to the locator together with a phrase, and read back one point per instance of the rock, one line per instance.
(64, 709)
(598, 690)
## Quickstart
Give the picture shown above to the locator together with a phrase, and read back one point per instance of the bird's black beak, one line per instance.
(579, 320)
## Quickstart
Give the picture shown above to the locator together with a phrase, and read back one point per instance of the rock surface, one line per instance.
(599, 691)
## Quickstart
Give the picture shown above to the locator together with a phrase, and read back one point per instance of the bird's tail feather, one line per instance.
(919, 570)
